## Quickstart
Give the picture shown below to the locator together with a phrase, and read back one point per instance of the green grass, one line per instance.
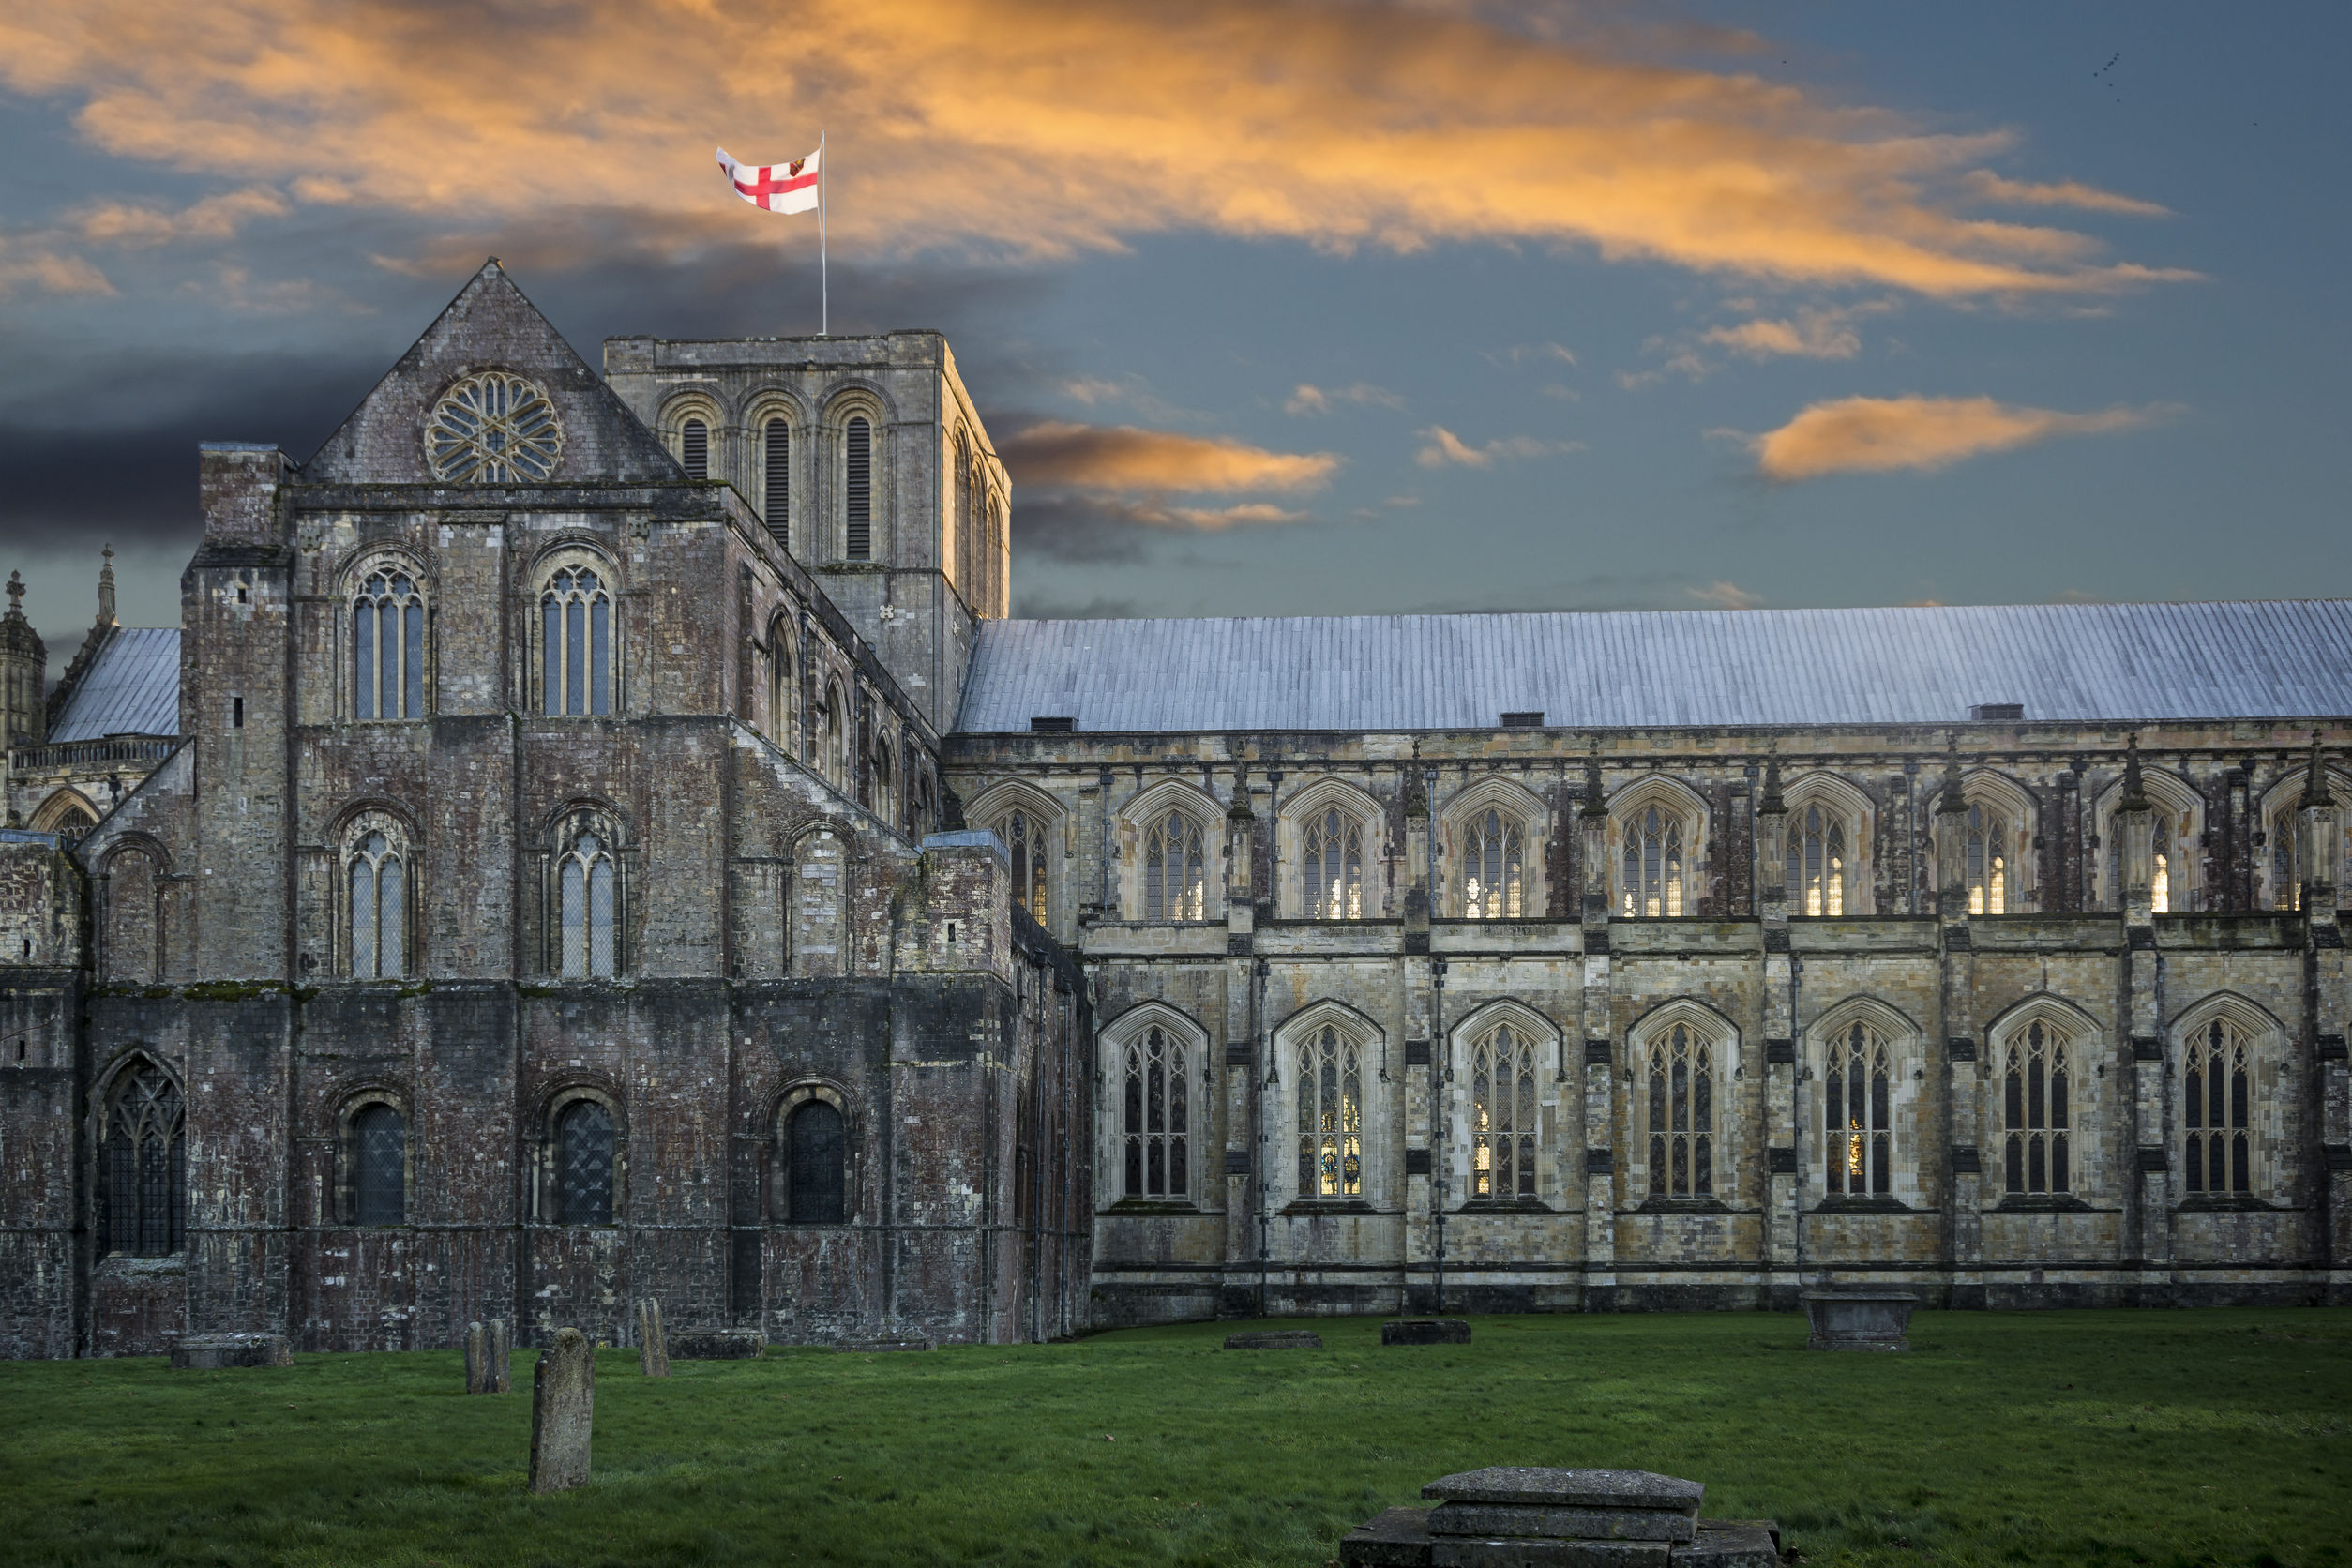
(2054, 1438)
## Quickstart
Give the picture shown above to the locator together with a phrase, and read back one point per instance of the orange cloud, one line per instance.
(1310, 399)
(1039, 127)
(1444, 448)
(1810, 334)
(1876, 434)
(1724, 593)
(42, 267)
(214, 218)
(2064, 194)
(1124, 457)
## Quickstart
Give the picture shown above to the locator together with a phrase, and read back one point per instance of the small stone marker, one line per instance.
(873, 1347)
(498, 1358)
(717, 1345)
(653, 1351)
(1276, 1339)
(1425, 1331)
(1859, 1320)
(476, 1359)
(1516, 1517)
(563, 1413)
(212, 1352)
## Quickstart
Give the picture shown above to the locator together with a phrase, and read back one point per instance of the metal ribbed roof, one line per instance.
(131, 688)
(1632, 670)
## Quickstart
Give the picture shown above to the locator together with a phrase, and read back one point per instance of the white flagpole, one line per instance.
(824, 275)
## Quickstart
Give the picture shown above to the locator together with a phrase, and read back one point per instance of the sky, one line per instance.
(1271, 307)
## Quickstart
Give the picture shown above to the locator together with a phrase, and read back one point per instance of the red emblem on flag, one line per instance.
(793, 169)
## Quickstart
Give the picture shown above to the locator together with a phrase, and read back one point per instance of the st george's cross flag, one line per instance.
(776, 186)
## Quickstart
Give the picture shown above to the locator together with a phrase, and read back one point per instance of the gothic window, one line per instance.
(1024, 836)
(1175, 875)
(1502, 1115)
(863, 779)
(379, 1167)
(817, 1157)
(584, 883)
(583, 1164)
(1817, 862)
(694, 448)
(2160, 863)
(1682, 1116)
(1653, 865)
(1333, 875)
(576, 642)
(1494, 874)
(1331, 1117)
(388, 647)
(858, 491)
(776, 494)
(967, 548)
(837, 735)
(783, 686)
(494, 429)
(1986, 861)
(2034, 1111)
(1858, 1113)
(2217, 1092)
(880, 771)
(1156, 1129)
(144, 1208)
(378, 882)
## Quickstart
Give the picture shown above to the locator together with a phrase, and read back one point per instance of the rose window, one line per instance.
(494, 429)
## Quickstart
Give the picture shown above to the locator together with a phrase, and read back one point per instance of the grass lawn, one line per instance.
(2220, 1437)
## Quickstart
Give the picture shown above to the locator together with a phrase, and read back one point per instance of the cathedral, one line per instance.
(595, 835)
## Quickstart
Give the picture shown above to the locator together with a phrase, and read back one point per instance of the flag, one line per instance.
(777, 186)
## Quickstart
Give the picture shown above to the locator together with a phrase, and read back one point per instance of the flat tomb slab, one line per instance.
(1276, 1339)
(1732, 1543)
(1425, 1331)
(1467, 1551)
(1541, 1486)
(211, 1352)
(716, 1345)
(1584, 1523)
(873, 1346)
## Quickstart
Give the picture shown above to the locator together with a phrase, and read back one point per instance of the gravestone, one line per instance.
(1425, 1331)
(1859, 1320)
(871, 1347)
(718, 1343)
(476, 1359)
(212, 1352)
(563, 1413)
(1519, 1517)
(498, 1358)
(653, 1349)
(1276, 1339)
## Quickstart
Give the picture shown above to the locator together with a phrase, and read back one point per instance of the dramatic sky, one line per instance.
(1272, 307)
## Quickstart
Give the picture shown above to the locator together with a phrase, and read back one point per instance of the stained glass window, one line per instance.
(1857, 1103)
(1502, 1115)
(1494, 875)
(1332, 869)
(1682, 1116)
(1175, 880)
(1331, 1117)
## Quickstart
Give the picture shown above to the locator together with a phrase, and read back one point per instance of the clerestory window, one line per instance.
(1333, 865)
(1817, 862)
(1494, 870)
(1986, 861)
(1024, 836)
(1175, 870)
(377, 879)
(576, 644)
(388, 647)
(1653, 865)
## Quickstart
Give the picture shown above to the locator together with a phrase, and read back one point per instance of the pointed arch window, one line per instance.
(1331, 1117)
(1494, 871)
(1333, 869)
(380, 1173)
(388, 647)
(1502, 1115)
(1986, 857)
(1653, 865)
(1024, 836)
(2287, 888)
(1682, 1116)
(2034, 1110)
(143, 1208)
(775, 489)
(694, 448)
(1175, 869)
(1857, 1103)
(377, 879)
(585, 882)
(858, 491)
(783, 686)
(2217, 1109)
(583, 1164)
(1156, 1135)
(576, 642)
(1817, 862)
(817, 1158)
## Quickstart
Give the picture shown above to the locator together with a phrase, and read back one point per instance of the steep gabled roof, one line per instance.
(132, 687)
(491, 326)
(2119, 663)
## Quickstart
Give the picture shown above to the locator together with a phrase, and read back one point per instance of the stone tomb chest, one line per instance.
(1519, 1517)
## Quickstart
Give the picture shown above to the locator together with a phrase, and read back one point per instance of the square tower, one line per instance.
(866, 459)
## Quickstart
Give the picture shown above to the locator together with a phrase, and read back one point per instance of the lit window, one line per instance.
(1856, 1096)
(1334, 872)
(1155, 1146)
(379, 910)
(2216, 1106)
(576, 644)
(2034, 1110)
(1175, 880)
(1653, 865)
(1331, 1118)
(1681, 1117)
(1024, 837)
(1817, 862)
(1502, 1115)
(1494, 877)
(2160, 865)
(584, 897)
(1987, 862)
(388, 647)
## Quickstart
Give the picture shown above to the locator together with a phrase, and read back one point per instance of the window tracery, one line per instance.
(143, 1207)
(388, 645)
(1331, 1116)
(2217, 1110)
(586, 880)
(1857, 1114)
(1332, 861)
(494, 429)
(376, 883)
(1494, 870)
(576, 642)
(583, 1164)
(1503, 1110)
(1175, 869)
(1681, 1115)
(1156, 1127)
(380, 1166)
(2034, 1111)
(1986, 860)
(1653, 884)
(1816, 869)
(1024, 836)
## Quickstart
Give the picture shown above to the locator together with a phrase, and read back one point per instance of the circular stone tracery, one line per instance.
(492, 429)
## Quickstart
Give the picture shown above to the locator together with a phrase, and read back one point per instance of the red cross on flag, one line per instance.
(776, 186)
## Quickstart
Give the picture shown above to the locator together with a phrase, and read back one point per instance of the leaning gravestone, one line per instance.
(1425, 1331)
(476, 1359)
(718, 1343)
(211, 1352)
(1859, 1320)
(653, 1349)
(563, 1413)
(1276, 1339)
(1514, 1516)
(499, 1354)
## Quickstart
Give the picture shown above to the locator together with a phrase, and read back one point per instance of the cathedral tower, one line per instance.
(23, 673)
